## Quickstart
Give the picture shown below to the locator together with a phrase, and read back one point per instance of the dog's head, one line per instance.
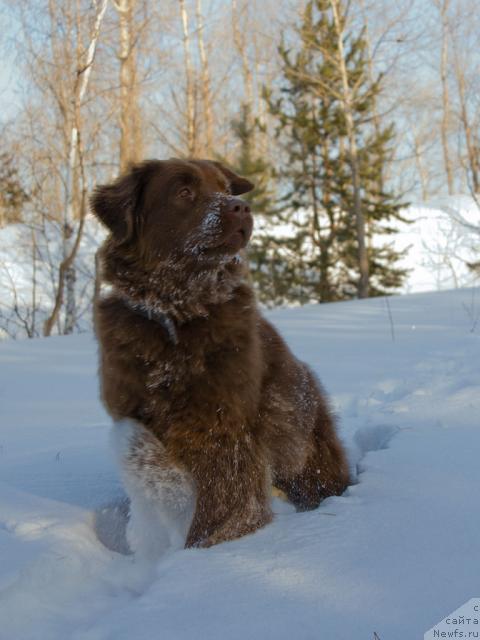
(176, 209)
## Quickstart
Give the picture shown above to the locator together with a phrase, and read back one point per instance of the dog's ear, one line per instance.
(238, 185)
(117, 204)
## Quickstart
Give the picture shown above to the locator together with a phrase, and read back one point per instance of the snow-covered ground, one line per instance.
(441, 240)
(394, 555)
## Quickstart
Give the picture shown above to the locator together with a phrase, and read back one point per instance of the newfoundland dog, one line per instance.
(212, 410)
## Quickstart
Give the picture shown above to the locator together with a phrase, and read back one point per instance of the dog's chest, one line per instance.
(178, 366)
(201, 369)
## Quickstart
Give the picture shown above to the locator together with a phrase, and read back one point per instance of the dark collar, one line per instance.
(153, 315)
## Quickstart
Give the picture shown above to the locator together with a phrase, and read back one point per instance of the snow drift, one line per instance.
(393, 555)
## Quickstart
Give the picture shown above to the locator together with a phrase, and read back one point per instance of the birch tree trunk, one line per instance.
(130, 120)
(72, 237)
(473, 170)
(445, 124)
(189, 83)
(241, 47)
(419, 163)
(206, 84)
(348, 110)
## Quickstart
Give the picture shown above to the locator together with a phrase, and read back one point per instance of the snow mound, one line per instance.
(394, 555)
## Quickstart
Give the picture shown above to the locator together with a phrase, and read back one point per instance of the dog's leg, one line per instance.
(161, 495)
(233, 484)
(325, 472)
(236, 521)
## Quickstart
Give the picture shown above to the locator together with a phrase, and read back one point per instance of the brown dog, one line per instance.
(220, 403)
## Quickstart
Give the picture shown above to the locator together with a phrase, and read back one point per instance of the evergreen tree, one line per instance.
(319, 202)
(12, 195)
(267, 265)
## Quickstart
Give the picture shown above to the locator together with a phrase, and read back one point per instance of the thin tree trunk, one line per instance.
(320, 246)
(371, 76)
(472, 152)
(445, 125)
(34, 282)
(72, 240)
(379, 184)
(190, 85)
(206, 85)
(241, 47)
(420, 166)
(262, 139)
(130, 127)
(347, 107)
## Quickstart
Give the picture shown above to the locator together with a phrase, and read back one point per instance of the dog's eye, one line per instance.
(185, 192)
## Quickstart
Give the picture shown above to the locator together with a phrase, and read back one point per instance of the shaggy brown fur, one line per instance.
(185, 351)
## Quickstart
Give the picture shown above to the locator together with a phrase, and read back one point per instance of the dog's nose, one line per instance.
(237, 207)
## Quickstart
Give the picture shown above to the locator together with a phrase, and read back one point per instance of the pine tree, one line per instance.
(266, 262)
(321, 197)
(12, 195)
